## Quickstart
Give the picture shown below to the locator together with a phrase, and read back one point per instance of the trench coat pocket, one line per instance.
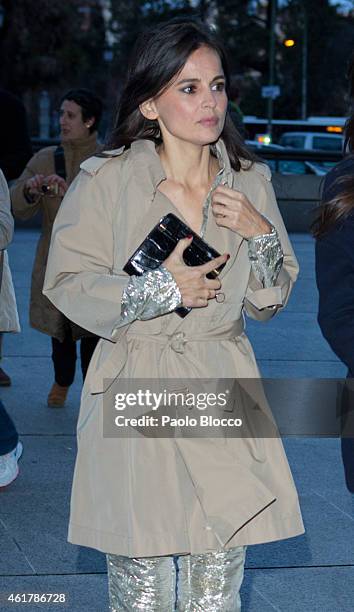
(111, 366)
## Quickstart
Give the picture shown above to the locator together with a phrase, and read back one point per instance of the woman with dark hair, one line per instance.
(174, 513)
(334, 233)
(41, 187)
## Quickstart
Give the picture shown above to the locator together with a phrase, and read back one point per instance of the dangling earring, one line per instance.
(157, 130)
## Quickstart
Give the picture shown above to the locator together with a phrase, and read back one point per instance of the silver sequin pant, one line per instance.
(187, 583)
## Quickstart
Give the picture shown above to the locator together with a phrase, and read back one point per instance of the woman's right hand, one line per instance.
(196, 289)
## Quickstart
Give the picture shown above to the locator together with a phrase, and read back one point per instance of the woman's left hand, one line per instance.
(232, 209)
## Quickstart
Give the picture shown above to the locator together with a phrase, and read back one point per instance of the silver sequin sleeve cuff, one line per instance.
(266, 257)
(153, 294)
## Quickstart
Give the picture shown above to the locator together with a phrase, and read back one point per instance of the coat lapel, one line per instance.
(221, 238)
(147, 174)
(224, 241)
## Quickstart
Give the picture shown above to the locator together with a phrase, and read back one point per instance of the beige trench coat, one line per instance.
(8, 309)
(43, 315)
(144, 496)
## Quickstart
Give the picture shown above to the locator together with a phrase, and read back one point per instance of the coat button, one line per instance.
(178, 341)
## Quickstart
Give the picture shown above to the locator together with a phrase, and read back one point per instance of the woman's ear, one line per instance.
(89, 122)
(148, 109)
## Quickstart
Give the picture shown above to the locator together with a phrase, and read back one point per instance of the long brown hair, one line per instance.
(334, 209)
(158, 56)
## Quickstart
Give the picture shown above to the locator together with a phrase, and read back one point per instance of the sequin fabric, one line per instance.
(208, 582)
(150, 295)
(211, 582)
(266, 256)
(146, 584)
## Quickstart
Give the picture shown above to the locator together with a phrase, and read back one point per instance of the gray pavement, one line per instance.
(314, 572)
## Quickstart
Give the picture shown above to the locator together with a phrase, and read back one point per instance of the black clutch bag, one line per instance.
(159, 244)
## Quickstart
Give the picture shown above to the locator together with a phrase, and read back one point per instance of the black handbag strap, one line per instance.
(59, 162)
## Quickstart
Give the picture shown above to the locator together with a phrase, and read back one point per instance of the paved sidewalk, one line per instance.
(314, 572)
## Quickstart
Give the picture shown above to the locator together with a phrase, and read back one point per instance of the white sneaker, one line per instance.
(8, 465)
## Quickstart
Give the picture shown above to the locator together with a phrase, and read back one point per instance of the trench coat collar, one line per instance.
(223, 156)
(148, 168)
(223, 239)
(148, 174)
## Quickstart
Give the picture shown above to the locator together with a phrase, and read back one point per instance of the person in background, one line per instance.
(41, 187)
(334, 233)
(15, 151)
(15, 143)
(234, 109)
(10, 447)
(5, 380)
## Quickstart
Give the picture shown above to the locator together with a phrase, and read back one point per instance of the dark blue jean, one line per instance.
(8, 433)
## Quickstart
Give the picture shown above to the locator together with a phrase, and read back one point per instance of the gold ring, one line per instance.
(220, 297)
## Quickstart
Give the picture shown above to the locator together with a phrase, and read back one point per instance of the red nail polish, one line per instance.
(228, 255)
(190, 236)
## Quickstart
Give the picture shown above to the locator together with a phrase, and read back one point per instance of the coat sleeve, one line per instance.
(81, 279)
(335, 282)
(6, 220)
(262, 303)
(22, 209)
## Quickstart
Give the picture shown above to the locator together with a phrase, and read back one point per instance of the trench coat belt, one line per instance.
(179, 339)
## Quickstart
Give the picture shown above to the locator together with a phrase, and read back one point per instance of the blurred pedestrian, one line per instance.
(5, 380)
(15, 143)
(41, 187)
(10, 447)
(15, 151)
(334, 233)
(234, 109)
